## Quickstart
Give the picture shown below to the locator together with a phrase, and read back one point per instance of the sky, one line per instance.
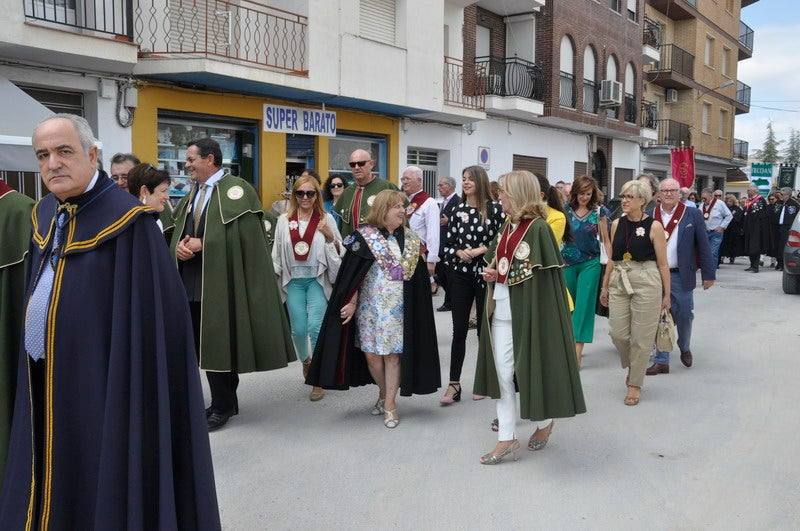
(773, 72)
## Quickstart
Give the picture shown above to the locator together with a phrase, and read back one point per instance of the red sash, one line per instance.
(507, 248)
(707, 210)
(751, 202)
(676, 218)
(301, 245)
(417, 202)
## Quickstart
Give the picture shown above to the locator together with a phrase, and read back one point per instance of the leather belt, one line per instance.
(674, 270)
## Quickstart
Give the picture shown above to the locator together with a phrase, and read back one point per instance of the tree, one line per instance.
(769, 153)
(791, 152)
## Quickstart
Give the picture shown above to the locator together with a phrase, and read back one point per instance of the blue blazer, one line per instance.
(693, 244)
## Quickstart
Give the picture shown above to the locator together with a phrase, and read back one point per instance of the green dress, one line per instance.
(242, 316)
(344, 206)
(544, 347)
(15, 237)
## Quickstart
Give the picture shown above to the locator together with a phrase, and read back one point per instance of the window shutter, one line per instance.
(378, 20)
(532, 164)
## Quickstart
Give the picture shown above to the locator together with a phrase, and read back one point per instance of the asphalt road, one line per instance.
(711, 447)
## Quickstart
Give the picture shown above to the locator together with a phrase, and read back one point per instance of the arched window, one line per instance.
(612, 72)
(630, 95)
(567, 83)
(589, 80)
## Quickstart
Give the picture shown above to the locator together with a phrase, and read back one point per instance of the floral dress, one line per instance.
(379, 316)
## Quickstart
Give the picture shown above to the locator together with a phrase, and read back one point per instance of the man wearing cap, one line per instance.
(356, 200)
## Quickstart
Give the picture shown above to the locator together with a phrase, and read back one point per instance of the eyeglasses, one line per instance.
(305, 193)
(669, 191)
(337, 185)
(117, 178)
(359, 163)
(628, 197)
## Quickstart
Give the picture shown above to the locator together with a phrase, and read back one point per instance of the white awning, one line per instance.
(21, 114)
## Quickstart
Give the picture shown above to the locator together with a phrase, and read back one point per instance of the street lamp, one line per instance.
(724, 84)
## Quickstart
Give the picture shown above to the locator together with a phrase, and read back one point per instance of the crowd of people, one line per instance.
(103, 422)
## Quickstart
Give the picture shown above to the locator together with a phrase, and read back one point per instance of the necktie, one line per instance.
(198, 209)
(357, 207)
(39, 303)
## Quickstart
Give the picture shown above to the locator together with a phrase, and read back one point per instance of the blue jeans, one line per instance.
(715, 241)
(306, 303)
(682, 309)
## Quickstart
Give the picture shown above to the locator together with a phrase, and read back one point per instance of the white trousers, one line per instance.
(503, 345)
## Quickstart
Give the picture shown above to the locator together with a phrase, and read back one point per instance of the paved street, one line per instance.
(711, 447)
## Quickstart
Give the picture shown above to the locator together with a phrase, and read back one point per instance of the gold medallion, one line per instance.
(502, 266)
(627, 256)
(523, 251)
(301, 248)
(235, 192)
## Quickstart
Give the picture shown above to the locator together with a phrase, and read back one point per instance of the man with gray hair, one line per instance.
(717, 217)
(685, 191)
(652, 180)
(450, 201)
(121, 164)
(423, 214)
(108, 431)
(785, 220)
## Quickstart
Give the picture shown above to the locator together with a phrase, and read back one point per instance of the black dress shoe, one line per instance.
(686, 358)
(443, 308)
(217, 420)
(235, 407)
(657, 368)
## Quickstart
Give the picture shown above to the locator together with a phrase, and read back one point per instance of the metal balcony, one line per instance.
(649, 115)
(630, 108)
(676, 9)
(109, 17)
(566, 91)
(741, 149)
(464, 84)
(591, 95)
(674, 70)
(672, 133)
(746, 37)
(742, 98)
(243, 31)
(651, 34)
(511, 76)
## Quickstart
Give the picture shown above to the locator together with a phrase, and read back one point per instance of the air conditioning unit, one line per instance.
(610, 93)
(672, 95)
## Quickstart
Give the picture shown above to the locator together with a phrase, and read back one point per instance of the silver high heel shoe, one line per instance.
(534, 445)
(391, 418)
(492, 459)
(377, 409)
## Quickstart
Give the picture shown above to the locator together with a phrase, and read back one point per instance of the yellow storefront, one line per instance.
(168, 117)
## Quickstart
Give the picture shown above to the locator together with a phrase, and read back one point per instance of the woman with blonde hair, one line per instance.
(307, 255)
(530, 335)
(636, 284)
(379, 327)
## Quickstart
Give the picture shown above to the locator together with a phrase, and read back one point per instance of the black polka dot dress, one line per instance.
(466, 231)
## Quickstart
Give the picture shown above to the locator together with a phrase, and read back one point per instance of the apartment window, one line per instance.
(723, 123)
(705, 118)
(632, 10)
(709, 56)
(57, 100)
(726, 60)
(615, 5)
(729, 6)
(378, 20)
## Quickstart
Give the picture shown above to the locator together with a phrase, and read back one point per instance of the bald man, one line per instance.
(356, 200)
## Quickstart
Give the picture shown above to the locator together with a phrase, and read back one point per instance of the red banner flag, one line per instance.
(683, 165)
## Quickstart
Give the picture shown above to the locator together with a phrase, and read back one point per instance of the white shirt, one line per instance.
(425, 222)
(672, 241)
(720, 216)
(210, 183)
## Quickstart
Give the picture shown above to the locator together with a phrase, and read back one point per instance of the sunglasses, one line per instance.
(337, 185)
(305, 193)
(359, 163)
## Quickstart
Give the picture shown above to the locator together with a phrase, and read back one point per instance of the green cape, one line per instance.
(243, 325)
(344, 206)
(544, 347)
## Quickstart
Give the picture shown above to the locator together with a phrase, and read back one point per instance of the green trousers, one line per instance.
(582, 282)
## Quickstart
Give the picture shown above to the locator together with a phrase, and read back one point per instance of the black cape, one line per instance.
(339, 364)
(733, 238)
(109, 430)
(756, 229)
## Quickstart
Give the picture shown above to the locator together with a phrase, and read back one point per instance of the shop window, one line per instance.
(236, 140)
(57, 100)
(340, 148)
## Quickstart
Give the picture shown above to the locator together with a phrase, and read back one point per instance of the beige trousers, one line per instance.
(634, 307)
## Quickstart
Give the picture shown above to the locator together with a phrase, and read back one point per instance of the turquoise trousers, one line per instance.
(306, 303)
(582, 282)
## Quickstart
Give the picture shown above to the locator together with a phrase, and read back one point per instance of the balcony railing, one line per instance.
(743, 93)
(675, 59)
(242, 30)
(672, 133)
(566, 92)
(511, 76)
(590, 96)
(746, 35)
(652, 32)
(111, 17)
(741, 149)
(630, 108)
(649, 117)
(464, 84)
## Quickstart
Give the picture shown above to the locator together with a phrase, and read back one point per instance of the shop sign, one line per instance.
(299, 120)
(761, 170)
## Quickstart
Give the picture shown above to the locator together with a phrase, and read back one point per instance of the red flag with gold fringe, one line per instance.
(683, 165)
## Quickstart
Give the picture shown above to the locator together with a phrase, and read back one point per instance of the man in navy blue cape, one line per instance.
(109, 430)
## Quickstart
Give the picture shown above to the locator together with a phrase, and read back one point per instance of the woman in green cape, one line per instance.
(528, 329)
